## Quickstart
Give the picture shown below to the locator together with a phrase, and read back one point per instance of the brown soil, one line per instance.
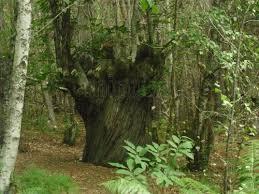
(47, 151)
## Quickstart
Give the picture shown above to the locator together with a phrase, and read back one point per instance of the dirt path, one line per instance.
(47, 151)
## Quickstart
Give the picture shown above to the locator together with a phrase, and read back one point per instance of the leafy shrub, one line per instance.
(39, 181)
(158, 161)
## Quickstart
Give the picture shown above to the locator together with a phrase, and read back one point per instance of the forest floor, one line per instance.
(46, 150)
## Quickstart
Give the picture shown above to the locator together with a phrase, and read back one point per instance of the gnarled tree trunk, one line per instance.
(106, 85)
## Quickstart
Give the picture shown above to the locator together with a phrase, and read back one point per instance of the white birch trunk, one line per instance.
(8, 153)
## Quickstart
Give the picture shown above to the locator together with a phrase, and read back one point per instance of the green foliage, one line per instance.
(249, 169)
(42, 58)
(39, 181)
(148, 5)
(123, 185)
(40, 123)
(7, 28)
(150, 88)
(193, 186)
(159, 162)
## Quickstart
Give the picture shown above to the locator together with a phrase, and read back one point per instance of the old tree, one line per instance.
(108, 59)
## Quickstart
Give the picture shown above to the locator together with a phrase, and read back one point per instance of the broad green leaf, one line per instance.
(172, 143)
(130, 144)
(123, 172)
(155, 9)
(144, 5)
(138, 171)
(130, 149)
(176, 139)
(188, 154)
(117, 165)
(130, 164)
(186, 145)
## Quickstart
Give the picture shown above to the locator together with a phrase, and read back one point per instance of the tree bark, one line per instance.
(71, 127)
(48, 101)
(116, 120)
(12, 129)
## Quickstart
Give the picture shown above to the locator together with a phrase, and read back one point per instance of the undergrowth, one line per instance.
(39, 181)
(248, 170)
(160, 163)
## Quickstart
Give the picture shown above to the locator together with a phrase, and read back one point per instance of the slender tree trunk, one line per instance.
(204, 135)
(9, 149)
(49, 104)
(71, 129)
(174, 101)
(48, 101)
(257, 123)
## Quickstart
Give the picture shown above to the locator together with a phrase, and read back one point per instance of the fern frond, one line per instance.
(195, 187)
(249, 168)
(125, 186)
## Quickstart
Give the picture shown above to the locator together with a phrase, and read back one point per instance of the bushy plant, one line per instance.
(161, 163)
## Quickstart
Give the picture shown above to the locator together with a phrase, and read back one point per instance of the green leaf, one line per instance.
(188, 154)
(130, 164)
(155, 9)
(217, 91)
(156, 146)
(143, 165)
(186, 145)
(150, 3)
(138, 171)
(130, 144)
(126, 186)
(143, 152)
(117, 165)
(151, 149)
(123, 172)
(129, 149)
(176, 139)
(172, 143)
(144, 5)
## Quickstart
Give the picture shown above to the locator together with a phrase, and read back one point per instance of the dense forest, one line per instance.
(129, 96)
